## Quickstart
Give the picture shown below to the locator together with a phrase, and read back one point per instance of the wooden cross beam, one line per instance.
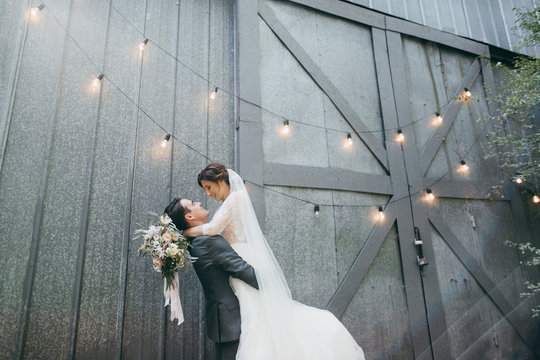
(490, 288)
(359, 268)
(325, 84)
(434, 143)
(326, 178)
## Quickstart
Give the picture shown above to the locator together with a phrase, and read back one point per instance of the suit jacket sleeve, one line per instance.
(223, 255)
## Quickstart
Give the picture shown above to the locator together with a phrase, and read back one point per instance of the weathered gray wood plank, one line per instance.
(346, 11)
(325, 178)
(250, 156)
(432, 146)
(424, 71)
(456, 189)
(12, 20)
(400, 113)
(346, 290)
(325, 84)
(530, 336)
(430, 34)
(40, 278)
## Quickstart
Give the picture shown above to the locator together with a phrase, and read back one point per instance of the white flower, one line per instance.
(160, 252)
(154, 231)
(165, 220)
(172, 250)
(167, 237)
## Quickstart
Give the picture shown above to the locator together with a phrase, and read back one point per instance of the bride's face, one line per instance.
(218, 191)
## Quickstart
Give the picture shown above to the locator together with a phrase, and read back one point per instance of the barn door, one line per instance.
(330, 71)
(471, 282)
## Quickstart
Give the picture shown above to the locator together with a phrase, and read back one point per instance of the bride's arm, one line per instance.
(220, 220)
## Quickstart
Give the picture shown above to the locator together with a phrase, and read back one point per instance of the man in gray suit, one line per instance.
(216, 261)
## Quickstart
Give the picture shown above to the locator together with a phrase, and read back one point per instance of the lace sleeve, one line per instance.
(221, 218)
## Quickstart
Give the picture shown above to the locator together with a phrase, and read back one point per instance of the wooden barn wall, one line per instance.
(488, 21)
(325, 72)
(80, 168)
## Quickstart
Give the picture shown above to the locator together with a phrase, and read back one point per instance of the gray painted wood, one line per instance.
(430, 34)
(325, 178)
(431, 148)
(338, 8)
(418, 323)
(94, 110)
(37, 294)
(250, 135)
(83, 180)
(523, 326)
(490, 21)
(419, 208)
(8, 317)
(8, 80)
(456, 189)
(346, 290)
(75, 192)
(325, 84)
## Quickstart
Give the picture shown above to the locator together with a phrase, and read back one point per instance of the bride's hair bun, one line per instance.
(214, 172)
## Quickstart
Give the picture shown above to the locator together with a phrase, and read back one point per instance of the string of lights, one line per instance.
(438, 118)
(215, 88)
(286, 123)
(97, 82)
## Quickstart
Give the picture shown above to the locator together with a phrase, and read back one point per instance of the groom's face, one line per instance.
(195, 212)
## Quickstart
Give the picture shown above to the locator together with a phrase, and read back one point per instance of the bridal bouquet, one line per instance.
(164, 243)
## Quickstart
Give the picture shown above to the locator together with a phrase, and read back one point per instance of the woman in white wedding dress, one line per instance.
(274, 326)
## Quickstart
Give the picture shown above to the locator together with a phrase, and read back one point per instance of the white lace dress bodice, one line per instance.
(225, 223)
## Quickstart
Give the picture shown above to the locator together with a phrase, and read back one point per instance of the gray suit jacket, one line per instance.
(216, 262)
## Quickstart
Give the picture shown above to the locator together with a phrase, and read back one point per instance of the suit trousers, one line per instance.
(226, 350)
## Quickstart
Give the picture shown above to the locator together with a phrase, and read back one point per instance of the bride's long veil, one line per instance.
(273, 287)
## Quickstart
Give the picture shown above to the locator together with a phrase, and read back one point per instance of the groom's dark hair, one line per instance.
(177, 213)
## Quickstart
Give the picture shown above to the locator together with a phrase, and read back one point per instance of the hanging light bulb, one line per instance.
(463, 167)
(166, 140)
(536, 199)
(438, 118)
(468, 94)
(36, 9)
(213, 94)
(316, 210)
(519, 178)
(400, 137)
(143, 44)
(381, 213)
(349, 139)
(285, 128)
(429, 194)
(97, 80)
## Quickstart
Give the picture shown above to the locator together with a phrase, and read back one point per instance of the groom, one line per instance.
(216, 261)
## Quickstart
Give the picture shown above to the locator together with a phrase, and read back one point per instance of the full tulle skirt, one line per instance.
(307, 332)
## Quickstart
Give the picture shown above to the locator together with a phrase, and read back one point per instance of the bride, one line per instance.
(273, 325)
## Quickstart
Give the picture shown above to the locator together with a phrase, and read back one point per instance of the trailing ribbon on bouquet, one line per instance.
(173, 298)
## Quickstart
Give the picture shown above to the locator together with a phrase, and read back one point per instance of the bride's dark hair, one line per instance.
(214, 172)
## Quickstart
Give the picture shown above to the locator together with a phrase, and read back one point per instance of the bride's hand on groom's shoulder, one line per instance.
(193, 231)
(188, 233)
